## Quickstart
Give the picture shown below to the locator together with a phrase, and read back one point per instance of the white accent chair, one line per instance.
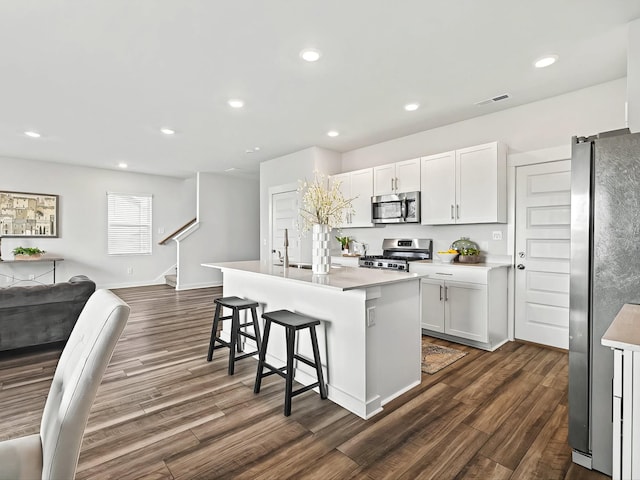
(53, 453)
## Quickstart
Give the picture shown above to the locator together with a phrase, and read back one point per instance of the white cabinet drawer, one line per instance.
(452, 272)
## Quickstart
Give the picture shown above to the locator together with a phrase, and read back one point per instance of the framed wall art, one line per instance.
(28, 214)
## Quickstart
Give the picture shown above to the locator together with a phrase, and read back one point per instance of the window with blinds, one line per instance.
(129, 224)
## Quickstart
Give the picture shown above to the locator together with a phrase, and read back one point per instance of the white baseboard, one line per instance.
(193, 286)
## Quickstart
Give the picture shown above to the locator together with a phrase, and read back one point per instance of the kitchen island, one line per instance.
(370, 333)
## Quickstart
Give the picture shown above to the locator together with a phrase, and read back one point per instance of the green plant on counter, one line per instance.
(344, 241)
(469, 251)
(27, 251)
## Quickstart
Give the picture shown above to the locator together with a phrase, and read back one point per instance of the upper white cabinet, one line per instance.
(359, 186)
(438, 188)
(465, 186)
(397, 177)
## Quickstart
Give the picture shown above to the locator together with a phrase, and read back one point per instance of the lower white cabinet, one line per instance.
(623, 336)
(465, 304)
(626, 414)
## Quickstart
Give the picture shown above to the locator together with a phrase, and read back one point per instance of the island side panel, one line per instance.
(342, 334)
(394, 341)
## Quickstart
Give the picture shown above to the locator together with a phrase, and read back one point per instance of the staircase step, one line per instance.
(171, 280)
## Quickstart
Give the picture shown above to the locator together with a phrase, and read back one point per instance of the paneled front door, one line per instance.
(543, 233)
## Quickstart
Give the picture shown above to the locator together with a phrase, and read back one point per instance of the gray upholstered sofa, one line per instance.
(41, 314)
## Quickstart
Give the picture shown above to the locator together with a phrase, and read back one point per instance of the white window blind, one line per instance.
(129, 223)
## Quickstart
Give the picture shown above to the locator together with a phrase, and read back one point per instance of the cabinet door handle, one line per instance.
(446, 296)
(392, 184)
(440, 292)
(457, 211)
(452, 211)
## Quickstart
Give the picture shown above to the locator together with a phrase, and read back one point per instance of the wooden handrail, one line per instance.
(179, 230)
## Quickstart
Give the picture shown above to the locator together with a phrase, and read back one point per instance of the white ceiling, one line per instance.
(98, 78)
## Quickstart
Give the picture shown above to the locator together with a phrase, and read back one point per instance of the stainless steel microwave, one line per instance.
(396, 208)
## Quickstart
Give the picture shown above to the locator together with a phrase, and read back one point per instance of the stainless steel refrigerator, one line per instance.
(605, 274)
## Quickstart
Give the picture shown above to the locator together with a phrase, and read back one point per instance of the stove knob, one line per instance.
(401, 267)
(379, 264)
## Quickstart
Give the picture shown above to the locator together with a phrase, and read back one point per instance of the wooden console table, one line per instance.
(53, 260)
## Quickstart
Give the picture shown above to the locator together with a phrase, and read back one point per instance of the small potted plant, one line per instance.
(27, 253)
(344, 242)
(469, 255)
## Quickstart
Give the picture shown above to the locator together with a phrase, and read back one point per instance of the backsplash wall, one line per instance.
(442, 235)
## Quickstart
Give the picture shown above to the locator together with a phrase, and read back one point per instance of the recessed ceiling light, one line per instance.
(249, 150)
(32, 134)
(545, 61)
(256, 149)
(333, 133)
(410, 107)
(236, 103)
(122, 165)
(310, 55)
(168, 131)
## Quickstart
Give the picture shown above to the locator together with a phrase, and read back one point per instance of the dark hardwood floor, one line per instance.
(163, 412)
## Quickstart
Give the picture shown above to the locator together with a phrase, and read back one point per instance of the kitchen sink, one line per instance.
(306, 266)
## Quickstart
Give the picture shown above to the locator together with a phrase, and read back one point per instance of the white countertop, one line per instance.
(438, 263)
(624, 331)
(340, 277)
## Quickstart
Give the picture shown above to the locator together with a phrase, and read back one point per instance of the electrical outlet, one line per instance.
(371, 316)
(130, 270)
(161, 231)
(497, 235)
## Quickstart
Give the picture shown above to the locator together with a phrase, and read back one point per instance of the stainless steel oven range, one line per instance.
(397, 253)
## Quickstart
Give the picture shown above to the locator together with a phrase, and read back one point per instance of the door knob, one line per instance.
(520, 266)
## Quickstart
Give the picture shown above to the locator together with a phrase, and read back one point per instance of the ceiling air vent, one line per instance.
(497, 98)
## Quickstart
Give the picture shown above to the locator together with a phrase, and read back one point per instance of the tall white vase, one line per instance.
(320, 249)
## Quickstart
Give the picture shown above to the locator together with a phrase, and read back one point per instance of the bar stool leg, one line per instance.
(214, 332)
(235, 326)
(262, 355)
(316, 358)
(291, 338)
(256, 327)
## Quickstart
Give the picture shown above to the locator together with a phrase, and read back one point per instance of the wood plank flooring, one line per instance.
(163, 412)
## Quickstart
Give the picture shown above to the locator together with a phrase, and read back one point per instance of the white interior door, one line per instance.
(543, 234)
(284, 214)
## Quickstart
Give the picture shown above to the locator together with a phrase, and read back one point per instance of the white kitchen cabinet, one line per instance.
(438, 188)
(359, 186)
(399, 177)
(464, 304)
(432, 293)
(623, 336)
(465, 186)
(465, 313)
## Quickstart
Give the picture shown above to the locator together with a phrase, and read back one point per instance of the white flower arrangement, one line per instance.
(322, 202)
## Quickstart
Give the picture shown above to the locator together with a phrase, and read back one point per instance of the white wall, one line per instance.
(289, 169)
(82, 220)
(535, 126)
(228, 230)
(633, 76)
